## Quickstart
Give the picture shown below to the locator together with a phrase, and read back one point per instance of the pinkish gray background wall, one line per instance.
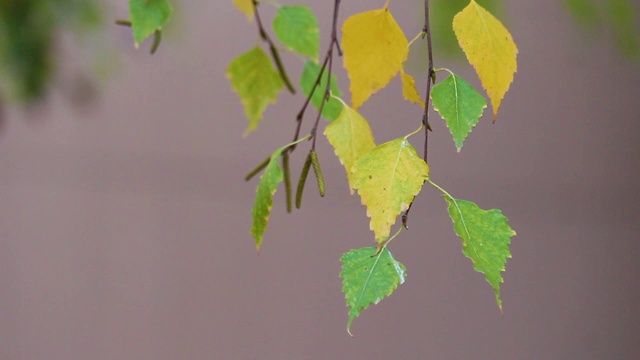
(124, 227)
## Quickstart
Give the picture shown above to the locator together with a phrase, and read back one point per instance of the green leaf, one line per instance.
(485, 238)
(257, 83)
(460, 105)
(351, 137)
(367, 280)
(268, 185)
(297, 28)
(333, 107)
(387, 179)
(624, 21)
(148, 16)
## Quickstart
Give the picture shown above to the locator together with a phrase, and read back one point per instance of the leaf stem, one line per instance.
(441, 189)
(274, 51)
(384, 244)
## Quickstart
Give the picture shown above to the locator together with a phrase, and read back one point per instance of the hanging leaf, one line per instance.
(257, 83)
(366, 280)
(333, 107)
(387, 179)
(373, 46)
(297, 28)
(147, 16)
(246, 6)
(489, 47)
(409, 90)
(351, 137)
(268, 185)
(441, 16)
(460, 106)
(485, 238)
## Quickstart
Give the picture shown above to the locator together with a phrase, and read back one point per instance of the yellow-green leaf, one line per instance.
(246, 6)
(373, 46)
(489, 47)
(485, 238)
(387, 179)
(257, 83)
(269, 181)
(351, 137)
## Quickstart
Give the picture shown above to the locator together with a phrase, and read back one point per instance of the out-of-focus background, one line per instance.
(124, 219)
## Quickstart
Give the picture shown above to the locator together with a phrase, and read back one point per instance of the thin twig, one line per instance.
(326, 65)
(274, 51)
(327, 91)
(431, 78)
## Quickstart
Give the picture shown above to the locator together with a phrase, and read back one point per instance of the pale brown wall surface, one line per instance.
(124, 229)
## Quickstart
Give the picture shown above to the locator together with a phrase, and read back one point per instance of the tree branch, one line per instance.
(274, 51)
(327, 65)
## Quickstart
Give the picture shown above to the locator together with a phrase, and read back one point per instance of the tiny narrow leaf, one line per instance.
(246, 6)
(366, 280)
(303, 180)
(333, 107)
(489, 47)
(147, 16)
(387, 179)
(318, 172)
(268, 185)
(485, 238)
(297, 28)
(409, 90)
(257, 83)
(351, 137)
(373, 46)
(460, 106)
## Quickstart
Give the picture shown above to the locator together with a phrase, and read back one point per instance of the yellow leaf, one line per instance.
(351, 137)
(373, 46)
(489, 47)
(387, 179)
(246, 6)
(409, 89)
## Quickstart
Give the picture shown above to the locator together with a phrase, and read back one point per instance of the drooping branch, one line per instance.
(272, 48)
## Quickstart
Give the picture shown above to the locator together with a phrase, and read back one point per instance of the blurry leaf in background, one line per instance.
(623, 18)
(617, 18)
(28, 33)
(584, 12)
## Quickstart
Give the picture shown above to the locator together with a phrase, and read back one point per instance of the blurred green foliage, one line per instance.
(618, 18)
(28, 33)
(29, 30)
